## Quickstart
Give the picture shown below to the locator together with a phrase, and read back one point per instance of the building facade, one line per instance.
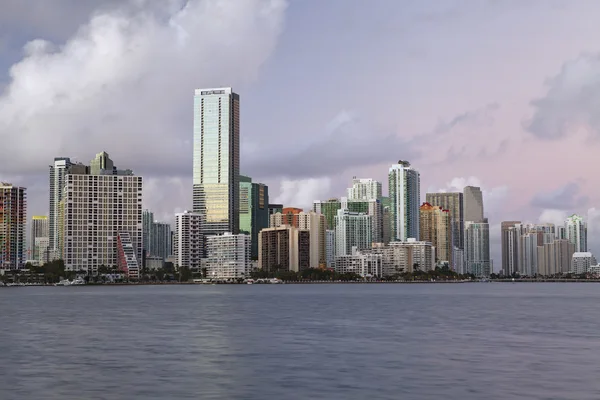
(127, 261)
(405, 200)
(147, 225)
(436, 228)
(352, 229)
(510, 246)
(188, 246)
(330, 248)
(317, 226)
(254, 210)
(216, 159)
(576, 232)
(284, 248)
(13, 221)
(329, 209)
(39, 242)
(581, 262)
(364, 189)
(367, 264)
(228, 256)
(57, 170)
(453, 202)
(473, 204)
(477, 249)
(161, 243)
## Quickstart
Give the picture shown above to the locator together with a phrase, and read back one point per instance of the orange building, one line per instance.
(436, 227)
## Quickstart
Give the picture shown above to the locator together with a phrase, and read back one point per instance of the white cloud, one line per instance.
(301, 193)
(493, 198)
(556, 217)
(124, 82)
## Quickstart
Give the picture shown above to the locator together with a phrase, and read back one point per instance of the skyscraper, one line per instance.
(147, 222)
(254, 210)
(216, 171)
(436, 228)
(57, 184)
(453, 202)
(329, 209)
(473, 204)
(477, 249)
(510, 247)
(13, 219)
(576, 232)
(352, 229)
(188, 246)
(364, 189)
(405, 199)
(38, 241)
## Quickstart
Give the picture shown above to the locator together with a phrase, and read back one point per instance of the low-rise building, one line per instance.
(582, 261)
(367, 264)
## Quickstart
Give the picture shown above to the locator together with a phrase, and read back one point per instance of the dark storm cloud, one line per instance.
(564, 198)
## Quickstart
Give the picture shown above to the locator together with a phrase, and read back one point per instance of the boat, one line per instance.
(78, 281)
(250, 282)
(275, 280)
(63, 282)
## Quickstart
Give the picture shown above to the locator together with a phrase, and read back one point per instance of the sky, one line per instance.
(502, 94)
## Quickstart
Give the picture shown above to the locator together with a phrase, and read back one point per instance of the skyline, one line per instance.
(455, 127)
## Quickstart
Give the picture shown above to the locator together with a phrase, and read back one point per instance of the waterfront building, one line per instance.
(13, 221)
(510, 247)
(216, 159)
(581, 262)
(161, 240)
(407, 256)
(386, 221)
(364, 189)
(477, 249)
(284, 248)
(316, 225)
(39, 242)
(228, 256)
(92, 212)
(453, 202)
(352, 229)
(57, 172)
(405, 189)
(188, 246)
(473, 204)
(576, 232)
(147, 224)
(367, 265)
(127, 260)
(372, 207)
(254, 210)
(154, 263)
(329, 209)
(528, 244)
(436, 227)
(330, 247)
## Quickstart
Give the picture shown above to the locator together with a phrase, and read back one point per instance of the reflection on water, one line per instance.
(464, 341)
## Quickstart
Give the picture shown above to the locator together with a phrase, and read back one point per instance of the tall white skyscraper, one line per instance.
(188, 246)
(58, 171)
(477, 249)
(405, 200)
(216, 172)
(364, 189)
(576, 232)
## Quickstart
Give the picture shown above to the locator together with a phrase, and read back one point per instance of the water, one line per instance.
(463, 341)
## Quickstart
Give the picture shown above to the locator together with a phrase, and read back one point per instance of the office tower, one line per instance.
(528, 244)
(217, 159)
(330, 247)
(405, 201)
(147, 223)
(228, 256)
(436, 228)
(473, 204)
(372, 207)
(364, 189)
(127, 260)
(39, 241)
(188, 244)
(576, 232)
(57, 184)
(452, 202)
(329, 209)
(365, 264)
(284, 248)
(275, 208)
(316, 225)
(352, 229)
(94, 210)
(254, 210)
(581, 262)
(477, 249)
(13, 219)
(161, 240)
(510, 245)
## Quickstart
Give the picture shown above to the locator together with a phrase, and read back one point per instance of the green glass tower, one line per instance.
(254, 210)
(329, 209)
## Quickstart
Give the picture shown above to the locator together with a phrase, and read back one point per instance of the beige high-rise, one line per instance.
(436, 228)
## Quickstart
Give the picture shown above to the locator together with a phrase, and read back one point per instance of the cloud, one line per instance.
(571, 102)
(564, 198)
(124, 82)
(301, 193)
(553, 216)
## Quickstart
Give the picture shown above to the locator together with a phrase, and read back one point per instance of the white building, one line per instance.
(576, 232)
(188, 244)
(330, 248)
(477, 249)
(367, 265)
(92, 212)
(528, 244)
(228, 256)
(364, 189)
(408, 256)
(352, 230)
(405, 200)
(58, 170)
(372, 207)
(127, 261)
(581, 262)
(317, 225)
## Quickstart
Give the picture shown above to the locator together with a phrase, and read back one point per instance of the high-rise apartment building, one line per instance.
(408, 256)
(473, 204)
(365, 264)
(364, 189)
(405, 199)
(216, 171)
(555, 257)
(436, 228)
(510, 247)
(284, 248)
(330, 248)
(94, 209)
(477, 249)
(316, 225)
(576, 232)
(127, 260)
(453, 202)
(254, 210)
(329, 209)
(13, 221)
(58, 171)
(228, 256)
(147, 223)
(39, 241)
(161, 244)
(188, 244)
(352, 229)
(372, 207)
